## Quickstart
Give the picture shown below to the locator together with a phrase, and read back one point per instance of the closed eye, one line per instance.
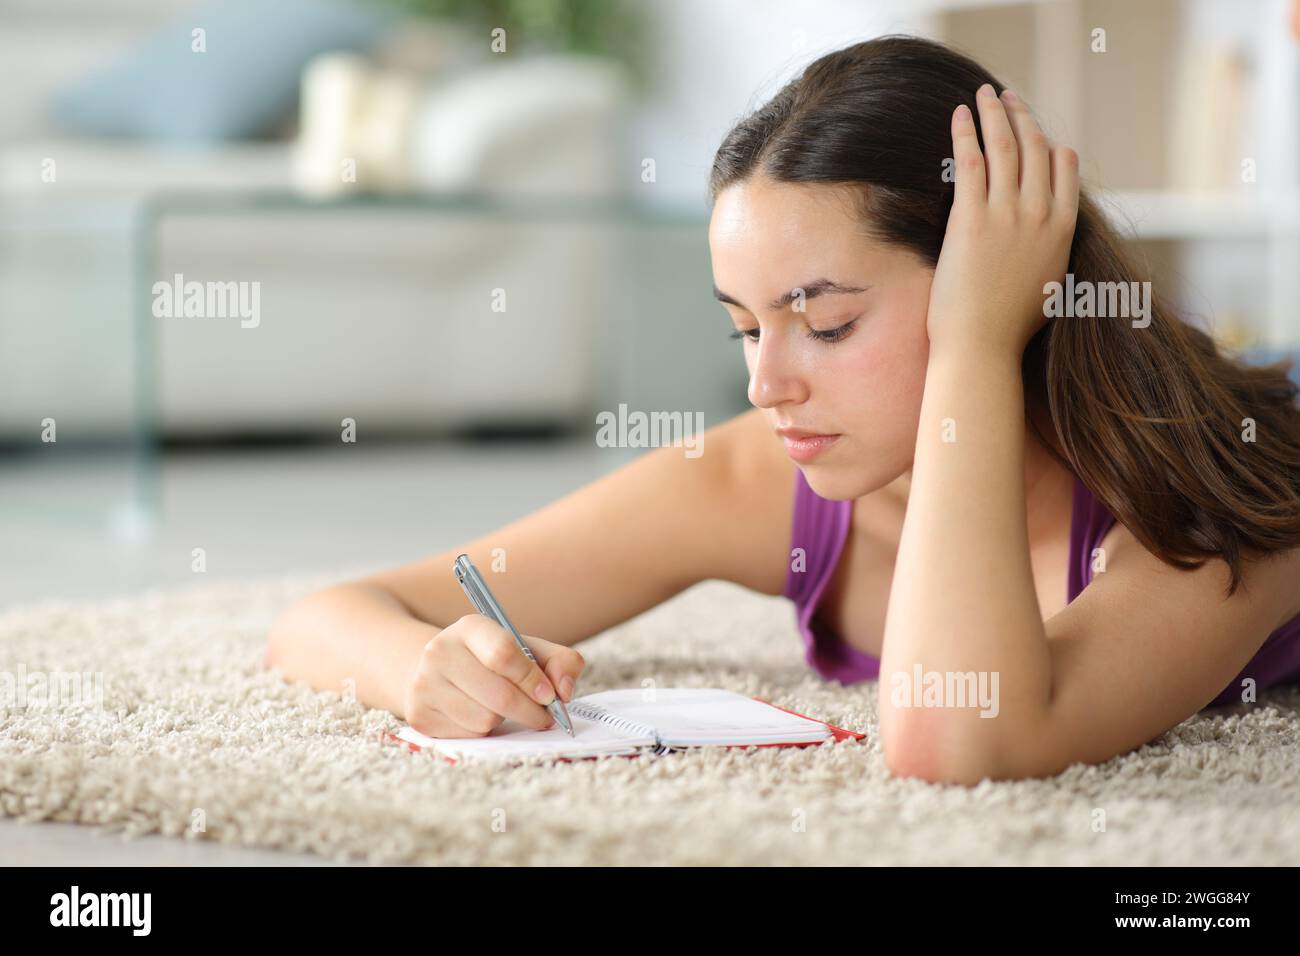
(829, 335)
(835, 335)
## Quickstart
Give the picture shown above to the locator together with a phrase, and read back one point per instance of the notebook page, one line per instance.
(511, 740)
(692, 717)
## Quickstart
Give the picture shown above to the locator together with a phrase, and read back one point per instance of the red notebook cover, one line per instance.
(837, 734)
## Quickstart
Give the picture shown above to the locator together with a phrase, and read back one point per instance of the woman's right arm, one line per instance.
(596, 557)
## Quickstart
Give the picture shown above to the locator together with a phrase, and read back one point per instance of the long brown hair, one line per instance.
(1151, 419)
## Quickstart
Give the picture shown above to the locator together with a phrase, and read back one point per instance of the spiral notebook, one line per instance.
(639, 720)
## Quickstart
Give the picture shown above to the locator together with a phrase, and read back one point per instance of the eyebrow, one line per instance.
(811, 290)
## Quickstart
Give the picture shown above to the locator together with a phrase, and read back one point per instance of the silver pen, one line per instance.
(481, 597)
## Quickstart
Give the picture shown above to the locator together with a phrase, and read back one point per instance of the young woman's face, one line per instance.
(852, 363)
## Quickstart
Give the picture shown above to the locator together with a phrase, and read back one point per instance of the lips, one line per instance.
(802, 433)
(802, 445)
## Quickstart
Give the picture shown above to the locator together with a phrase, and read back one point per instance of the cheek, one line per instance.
(892, 360)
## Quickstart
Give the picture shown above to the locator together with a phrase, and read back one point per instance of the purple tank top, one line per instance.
(821, 527)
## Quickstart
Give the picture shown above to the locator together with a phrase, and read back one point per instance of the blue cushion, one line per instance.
(244, 86)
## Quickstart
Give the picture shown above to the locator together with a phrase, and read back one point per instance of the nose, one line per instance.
(774, 376)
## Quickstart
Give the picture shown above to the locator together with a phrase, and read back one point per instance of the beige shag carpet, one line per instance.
(194, 740)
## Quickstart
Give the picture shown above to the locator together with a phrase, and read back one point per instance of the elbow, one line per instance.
(278, 651)
(965, 746)
(932, 750)
(934, 758)
(909, 760)
(273, 652)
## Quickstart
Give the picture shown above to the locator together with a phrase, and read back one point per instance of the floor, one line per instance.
(71, 532)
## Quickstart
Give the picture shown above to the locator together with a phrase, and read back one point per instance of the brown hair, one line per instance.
(1150, 419)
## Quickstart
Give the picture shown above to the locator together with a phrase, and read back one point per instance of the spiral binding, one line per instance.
(596, 712)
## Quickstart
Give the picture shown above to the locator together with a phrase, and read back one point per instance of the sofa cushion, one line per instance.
(244, 85)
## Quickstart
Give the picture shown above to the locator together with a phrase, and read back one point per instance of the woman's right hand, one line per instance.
(472, 675)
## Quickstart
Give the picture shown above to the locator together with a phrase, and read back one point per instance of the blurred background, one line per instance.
(434, 238)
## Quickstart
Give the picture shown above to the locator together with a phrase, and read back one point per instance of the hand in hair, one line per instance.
(1009, 231)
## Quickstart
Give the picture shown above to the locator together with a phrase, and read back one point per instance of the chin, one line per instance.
(838, 483)
(850, 478)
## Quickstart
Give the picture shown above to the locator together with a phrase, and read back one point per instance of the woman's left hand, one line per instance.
(1009, 231)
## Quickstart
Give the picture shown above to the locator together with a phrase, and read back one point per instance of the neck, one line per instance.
(1047, 484)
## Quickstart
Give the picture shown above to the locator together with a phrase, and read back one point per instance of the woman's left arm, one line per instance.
(1146, 645)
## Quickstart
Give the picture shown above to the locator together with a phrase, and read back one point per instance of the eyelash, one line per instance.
(830, 335)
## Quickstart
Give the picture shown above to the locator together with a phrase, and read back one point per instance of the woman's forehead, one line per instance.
(762, 202)
(791, 243)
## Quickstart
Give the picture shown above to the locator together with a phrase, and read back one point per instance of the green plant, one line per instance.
(617, 29)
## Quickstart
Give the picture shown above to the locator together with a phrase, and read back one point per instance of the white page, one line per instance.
(511, 740)
(690, 716)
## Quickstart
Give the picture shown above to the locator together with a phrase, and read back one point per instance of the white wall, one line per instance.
(719, 59)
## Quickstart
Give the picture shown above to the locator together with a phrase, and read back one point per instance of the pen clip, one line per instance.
(478, 592)
(470, 586)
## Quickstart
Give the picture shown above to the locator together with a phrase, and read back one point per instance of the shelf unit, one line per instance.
(1221, 244)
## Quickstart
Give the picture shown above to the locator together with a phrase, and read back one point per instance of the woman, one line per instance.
(1094, 514)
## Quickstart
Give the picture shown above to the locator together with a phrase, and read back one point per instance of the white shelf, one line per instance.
(1157, 214)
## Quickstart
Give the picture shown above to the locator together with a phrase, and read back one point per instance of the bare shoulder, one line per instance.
(1271, 583)
(1162, 640)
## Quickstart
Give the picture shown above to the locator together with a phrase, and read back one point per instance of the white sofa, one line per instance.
(377, 312)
